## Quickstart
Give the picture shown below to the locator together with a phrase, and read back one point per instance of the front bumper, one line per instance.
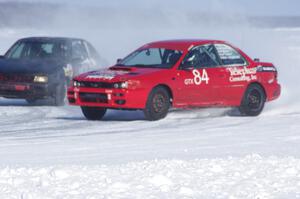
(273, 91)
(107, 98)
(24, 90)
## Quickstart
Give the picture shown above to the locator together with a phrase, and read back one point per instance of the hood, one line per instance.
(115, 74)
(27, 66)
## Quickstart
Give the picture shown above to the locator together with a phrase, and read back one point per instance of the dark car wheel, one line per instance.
(93, 113)
(31, 101)
(158, 104)
(253, 101)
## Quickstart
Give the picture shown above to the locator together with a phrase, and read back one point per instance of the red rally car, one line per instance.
(179, 74)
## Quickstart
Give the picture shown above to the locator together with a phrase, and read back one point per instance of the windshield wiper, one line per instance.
(120, 65)
(140, 65)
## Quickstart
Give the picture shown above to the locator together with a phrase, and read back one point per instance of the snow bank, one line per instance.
(249, 177)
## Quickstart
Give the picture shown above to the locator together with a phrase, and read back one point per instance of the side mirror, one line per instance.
(119, 60)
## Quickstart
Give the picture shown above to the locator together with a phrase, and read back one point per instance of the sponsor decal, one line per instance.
(199, 77)
(242, 74)
(107, 75)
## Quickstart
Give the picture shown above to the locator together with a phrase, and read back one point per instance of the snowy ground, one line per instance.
(233, 178)
(53, 152)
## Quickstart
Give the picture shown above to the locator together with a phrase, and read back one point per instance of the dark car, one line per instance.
(42, 67)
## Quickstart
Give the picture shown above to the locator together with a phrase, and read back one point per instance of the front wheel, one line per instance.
(253, 101)
(158, 104)
(31, 101)
(93, 113)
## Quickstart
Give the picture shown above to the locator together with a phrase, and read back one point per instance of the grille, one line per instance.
(93, 97)
(16, 78)
(96, 85)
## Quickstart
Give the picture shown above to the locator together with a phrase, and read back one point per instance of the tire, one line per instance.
(253, 101)
(59, 97)
(158, 104)
(93, 113)
(31, 101)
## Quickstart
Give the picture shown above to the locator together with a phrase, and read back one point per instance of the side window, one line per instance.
(78, 50)
(229, 56)
(202, 56)
(92, 51)
(16, 51)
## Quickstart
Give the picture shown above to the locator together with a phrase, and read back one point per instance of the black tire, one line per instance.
(31, 101)
(158, 104)
(59, 97)
(253, 101)
(93, 113)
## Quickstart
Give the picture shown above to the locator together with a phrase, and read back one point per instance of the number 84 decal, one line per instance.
(199, 77)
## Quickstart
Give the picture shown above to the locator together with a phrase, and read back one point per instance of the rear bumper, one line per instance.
(108, 98)
(24, 90)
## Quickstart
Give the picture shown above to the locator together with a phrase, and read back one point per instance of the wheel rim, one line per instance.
(159, 103)
(254, 100)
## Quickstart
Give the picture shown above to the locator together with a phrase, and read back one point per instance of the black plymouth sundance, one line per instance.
(42, 67)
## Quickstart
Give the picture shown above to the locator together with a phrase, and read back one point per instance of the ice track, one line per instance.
(42, 135)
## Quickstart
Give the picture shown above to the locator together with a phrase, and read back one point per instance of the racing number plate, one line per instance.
(20, 87)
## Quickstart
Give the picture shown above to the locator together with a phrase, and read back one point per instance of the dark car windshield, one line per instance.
(37, 49)
(152, 58)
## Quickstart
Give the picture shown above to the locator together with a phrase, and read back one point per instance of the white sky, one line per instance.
(248, 7)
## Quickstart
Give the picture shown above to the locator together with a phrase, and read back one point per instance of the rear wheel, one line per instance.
(158, 104)
(253, 101)
(93, 113)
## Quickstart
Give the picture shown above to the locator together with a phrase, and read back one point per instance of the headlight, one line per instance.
(40, 79)
(76, 84)
(121, 85)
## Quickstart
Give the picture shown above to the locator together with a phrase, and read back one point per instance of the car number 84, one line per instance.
(199, 77)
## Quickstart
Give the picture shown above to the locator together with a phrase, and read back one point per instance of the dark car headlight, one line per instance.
(40, 79)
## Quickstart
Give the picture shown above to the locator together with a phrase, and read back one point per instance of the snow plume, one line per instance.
(116, 28)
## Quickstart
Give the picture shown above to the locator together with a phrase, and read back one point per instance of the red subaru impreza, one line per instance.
(180, 74)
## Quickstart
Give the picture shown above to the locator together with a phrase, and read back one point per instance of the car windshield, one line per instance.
(37, 50)
(152, 58)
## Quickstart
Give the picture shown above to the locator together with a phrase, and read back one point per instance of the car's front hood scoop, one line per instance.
(114, 74)
(105, 75)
